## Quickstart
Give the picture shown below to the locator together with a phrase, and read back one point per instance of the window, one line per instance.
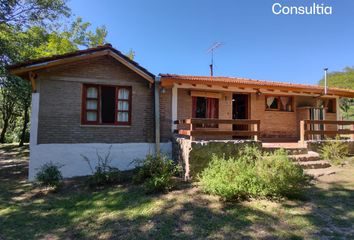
(204, 107)
(106, 105)
(330, 104)
(279, 103)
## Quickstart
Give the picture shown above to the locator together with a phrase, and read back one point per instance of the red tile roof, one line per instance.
(167, 79)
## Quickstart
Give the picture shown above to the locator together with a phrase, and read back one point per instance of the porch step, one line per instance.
(314, 164)
(290, 151)
(308, 157)
(316, 173)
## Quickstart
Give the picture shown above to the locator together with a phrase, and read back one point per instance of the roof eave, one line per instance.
(167, 81)
(23, 70)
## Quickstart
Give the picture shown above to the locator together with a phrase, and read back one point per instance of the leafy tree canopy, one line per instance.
(343, 79)
(32, 29)
(25, 13)
(37, 41)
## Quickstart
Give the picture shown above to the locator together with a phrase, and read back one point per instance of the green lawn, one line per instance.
(125, 212)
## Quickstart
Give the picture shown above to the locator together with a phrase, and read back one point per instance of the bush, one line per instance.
(156, 173)
(229, 178)
(252, 175)
(104, 177)
(334, 150)
(103, 173)
(279, 176)
(49, 175)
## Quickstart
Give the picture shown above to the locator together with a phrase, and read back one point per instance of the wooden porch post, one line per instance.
(191, 130)
(256, 129)
(302, 132)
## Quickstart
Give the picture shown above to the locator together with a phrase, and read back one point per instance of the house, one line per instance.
(98, 101)
(278, 106)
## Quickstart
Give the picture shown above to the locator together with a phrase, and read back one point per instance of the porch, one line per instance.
(310, 130)
(193, 147)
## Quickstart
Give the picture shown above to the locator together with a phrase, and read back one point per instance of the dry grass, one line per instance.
(125, 212)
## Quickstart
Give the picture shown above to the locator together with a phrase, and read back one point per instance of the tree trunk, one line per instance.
(24, 127)
(3, 131)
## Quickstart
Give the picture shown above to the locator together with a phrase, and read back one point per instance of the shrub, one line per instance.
(252, 175)
(156, 173)
(229, 178)
(49, 175)
(279, 176)
(334, 150)
(103, 173)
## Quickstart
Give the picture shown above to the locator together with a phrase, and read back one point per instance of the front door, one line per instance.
(240, 109)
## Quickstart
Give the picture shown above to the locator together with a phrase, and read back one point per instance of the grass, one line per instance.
(125, 212)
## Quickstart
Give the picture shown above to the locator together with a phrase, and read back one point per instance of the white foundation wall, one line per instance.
(73, 164)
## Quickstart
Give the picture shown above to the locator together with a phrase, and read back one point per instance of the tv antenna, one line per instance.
(211, 50)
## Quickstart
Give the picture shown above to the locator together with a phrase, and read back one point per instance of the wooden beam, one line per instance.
(130, 66)
(32, 77)
(56, 62)
(217, 133)
(320, 132)
(334, 122)
(52, 63)
(205, 94)
(217, 121)
(302, 132)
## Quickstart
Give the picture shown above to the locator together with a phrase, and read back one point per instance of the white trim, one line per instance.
(174, 106)
(70, 156)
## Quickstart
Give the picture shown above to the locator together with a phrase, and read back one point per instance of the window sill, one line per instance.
(105, 126)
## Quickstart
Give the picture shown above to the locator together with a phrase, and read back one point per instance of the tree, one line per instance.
(25, 34)
(24, 91)
(343, 79)
(70, 39)
(131, 54)
(7, 105)
(347, 107)
(25, 13)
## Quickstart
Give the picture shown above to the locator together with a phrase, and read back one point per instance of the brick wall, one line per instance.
(273, 123)
(166, 115)
(60, 103)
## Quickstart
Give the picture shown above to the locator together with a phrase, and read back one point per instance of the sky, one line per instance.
(173, 36)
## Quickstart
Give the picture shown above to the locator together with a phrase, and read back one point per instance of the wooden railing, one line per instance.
(306, 131)
(215, 131)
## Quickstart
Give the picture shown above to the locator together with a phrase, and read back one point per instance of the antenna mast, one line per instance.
(211, 50)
